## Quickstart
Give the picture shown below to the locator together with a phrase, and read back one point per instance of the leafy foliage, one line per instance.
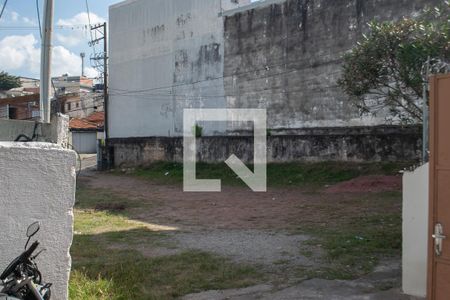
(385, 71)
(8, 82)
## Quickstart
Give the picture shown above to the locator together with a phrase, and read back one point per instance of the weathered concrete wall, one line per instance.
(231, 4)
(415, 231)
(384, 143)
(165, 55)
(37, 183)
(286, 56)
(56, 132)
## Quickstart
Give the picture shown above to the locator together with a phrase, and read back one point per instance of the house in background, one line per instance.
(76, 96)
(21, 103)
(85, 132)
(24, 107)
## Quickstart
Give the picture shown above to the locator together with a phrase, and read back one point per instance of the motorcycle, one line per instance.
(22, 279)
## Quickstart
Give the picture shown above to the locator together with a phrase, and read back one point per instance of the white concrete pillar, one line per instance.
(37, 183)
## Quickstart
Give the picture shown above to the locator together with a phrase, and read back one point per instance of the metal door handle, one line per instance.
(438, 237)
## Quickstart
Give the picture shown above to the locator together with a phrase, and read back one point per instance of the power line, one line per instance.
(3, 8)
(62, 27)
(266, 69)
(131, 93)
(200, 97)
(90, 25)
(39, 18)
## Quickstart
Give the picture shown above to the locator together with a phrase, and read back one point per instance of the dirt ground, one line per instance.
(240, 208)
(262, 229)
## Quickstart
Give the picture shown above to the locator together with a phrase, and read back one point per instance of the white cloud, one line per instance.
(21, 53)
(67, 62)
(80, 19)
(14, 16)
(18, 51)
(29, 21)
(80, 32)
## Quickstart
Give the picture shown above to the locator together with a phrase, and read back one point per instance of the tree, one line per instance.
(385, 70)
(8, 82)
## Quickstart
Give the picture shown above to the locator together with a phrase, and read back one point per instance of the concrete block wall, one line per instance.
(383, 143)
(56, 132)
(37, 183)
(415, 231)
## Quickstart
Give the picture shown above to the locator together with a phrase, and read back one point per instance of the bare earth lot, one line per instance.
(337, 241)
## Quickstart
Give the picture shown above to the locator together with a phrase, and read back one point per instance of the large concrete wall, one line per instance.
(286, 56)
(37, 183)
(165, 55)
(282, 55)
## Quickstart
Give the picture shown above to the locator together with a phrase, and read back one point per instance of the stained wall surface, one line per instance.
(286, 56)
(165, 55)
(282, 55)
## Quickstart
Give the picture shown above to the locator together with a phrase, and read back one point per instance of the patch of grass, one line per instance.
(353, 249)
(287, 174)
(95, 222)
(102, 199)
(110, 261)
(103, 273)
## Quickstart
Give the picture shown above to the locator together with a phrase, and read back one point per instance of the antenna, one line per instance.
(82, 55)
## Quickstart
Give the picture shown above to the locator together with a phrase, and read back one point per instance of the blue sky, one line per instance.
(20, 40)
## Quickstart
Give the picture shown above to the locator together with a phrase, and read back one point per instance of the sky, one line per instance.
(20, 39)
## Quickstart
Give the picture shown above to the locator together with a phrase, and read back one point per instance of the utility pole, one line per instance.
(100, 62)
(46, 57)
(105, 82)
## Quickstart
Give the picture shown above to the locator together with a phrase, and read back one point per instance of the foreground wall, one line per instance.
(415, 231)
(383, 143)
(37, 183)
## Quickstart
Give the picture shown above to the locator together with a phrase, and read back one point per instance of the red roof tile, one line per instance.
(97, 118)
(82, 124)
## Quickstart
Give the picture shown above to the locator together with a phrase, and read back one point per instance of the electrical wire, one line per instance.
(3, 8)
(39, 18)
(90, 28)
(266, 68)
(89, 18)
(25, 138)
(241, 92)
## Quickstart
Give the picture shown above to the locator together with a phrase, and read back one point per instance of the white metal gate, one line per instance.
(85, 142)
